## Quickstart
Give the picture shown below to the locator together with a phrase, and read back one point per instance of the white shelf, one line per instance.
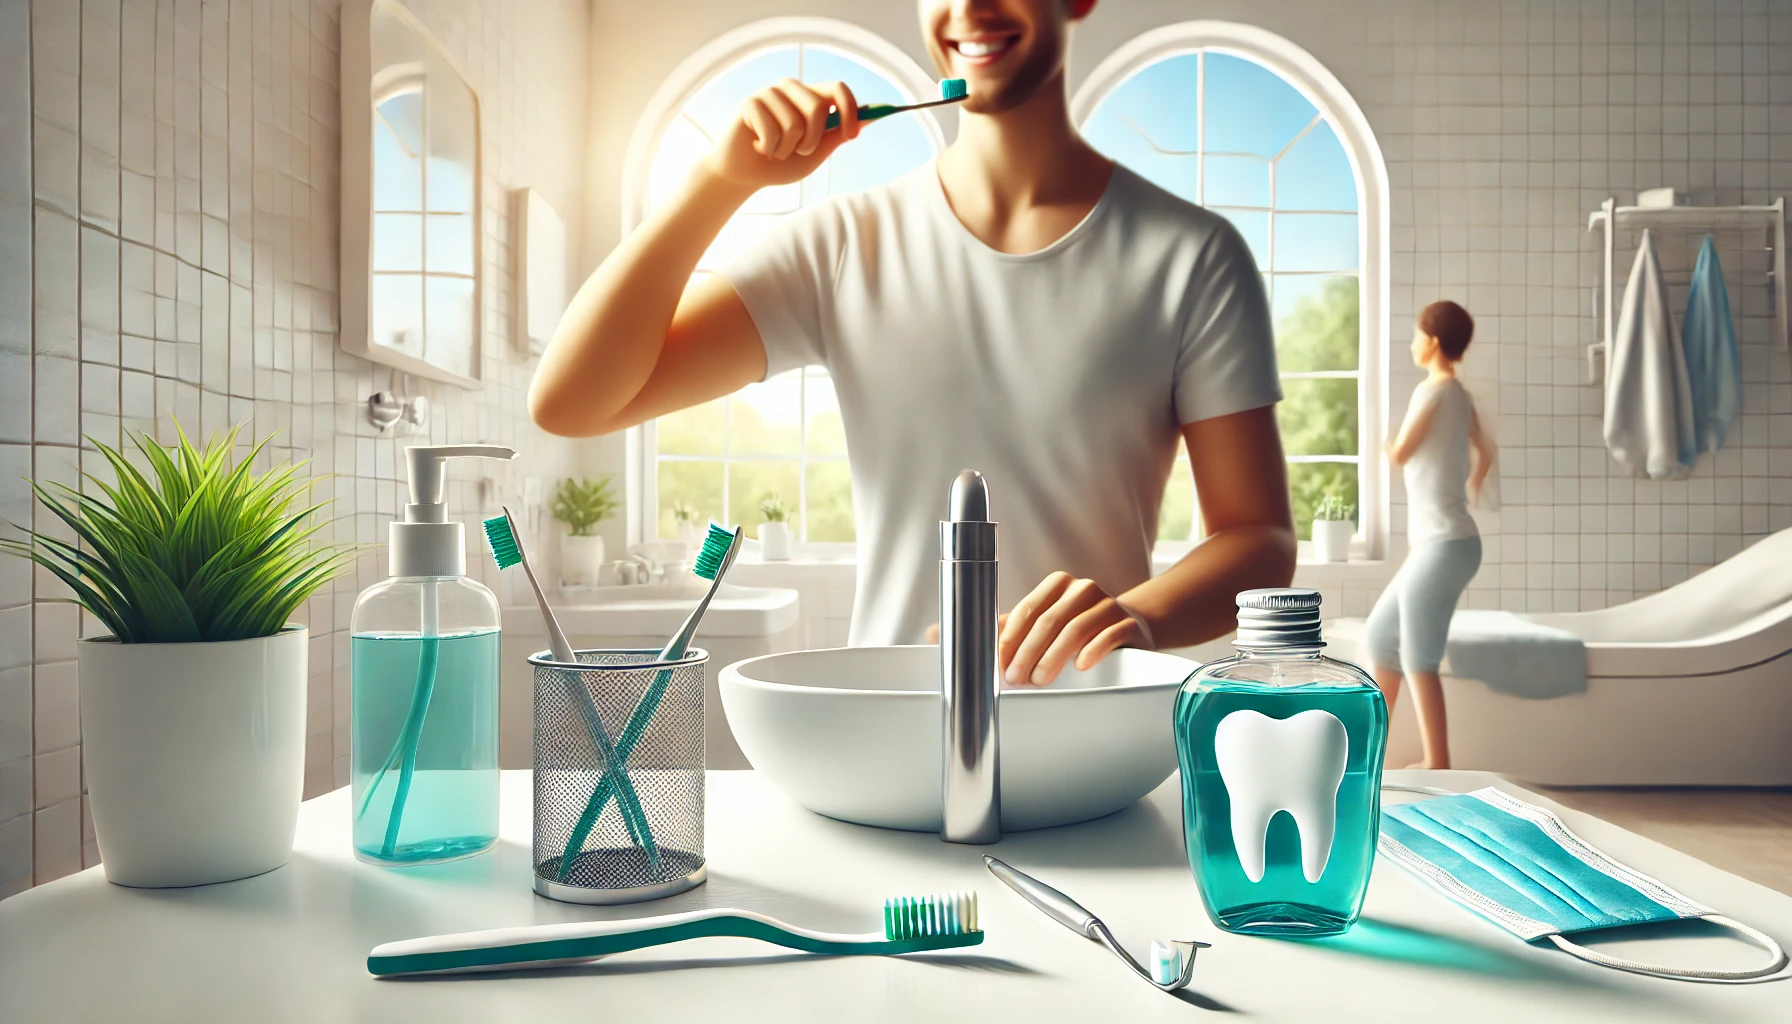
(1610, 217)
(1689, 216)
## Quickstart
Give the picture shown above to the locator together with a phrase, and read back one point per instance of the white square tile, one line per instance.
(57, 777)
(57, 284)
(15, 855)
(58, 422)
(56, 707)
(15, 792)
(15, 714)
(99, 296)
(56, 842)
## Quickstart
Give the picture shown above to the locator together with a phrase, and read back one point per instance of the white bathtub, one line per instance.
(1691, 686)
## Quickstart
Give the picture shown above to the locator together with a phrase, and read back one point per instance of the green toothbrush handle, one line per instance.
(615, 764)
(552, 945)
(617, 776)
(869, 112)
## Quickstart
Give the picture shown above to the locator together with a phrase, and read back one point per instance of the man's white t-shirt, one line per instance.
(1062, 375)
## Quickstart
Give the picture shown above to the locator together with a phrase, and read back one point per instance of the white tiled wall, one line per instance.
(1503, 123)
(168, 244)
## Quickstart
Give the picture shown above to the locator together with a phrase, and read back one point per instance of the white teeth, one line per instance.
(1292, 764)
(974, 49)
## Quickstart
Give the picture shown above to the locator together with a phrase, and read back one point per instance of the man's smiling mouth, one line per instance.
(989, 46)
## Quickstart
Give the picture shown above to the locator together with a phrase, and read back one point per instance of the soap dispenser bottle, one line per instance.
(423, 721)
(1281, 750)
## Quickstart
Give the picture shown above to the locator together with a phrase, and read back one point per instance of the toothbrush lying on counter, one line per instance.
(952, 90)
(507, 550)
(720, 546)
(911, 925)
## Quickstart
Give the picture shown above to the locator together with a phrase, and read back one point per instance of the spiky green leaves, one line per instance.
(197, 550)
(582, 504)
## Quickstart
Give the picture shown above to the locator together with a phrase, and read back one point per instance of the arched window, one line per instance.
(1251, 127)
(782, 439)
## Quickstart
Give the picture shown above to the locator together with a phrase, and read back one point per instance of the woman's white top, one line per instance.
(1437, 472)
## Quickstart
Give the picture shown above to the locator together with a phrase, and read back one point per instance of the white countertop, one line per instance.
(291, 945)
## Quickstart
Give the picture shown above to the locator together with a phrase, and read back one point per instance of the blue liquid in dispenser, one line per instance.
(451, 806)
(1281, 733)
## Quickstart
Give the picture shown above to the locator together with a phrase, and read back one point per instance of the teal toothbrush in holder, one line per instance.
(507, 550)
(952, 90)
(720, 547)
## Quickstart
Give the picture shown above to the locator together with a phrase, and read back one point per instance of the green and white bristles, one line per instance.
(502, 542)
(920, 917)
(715, 548)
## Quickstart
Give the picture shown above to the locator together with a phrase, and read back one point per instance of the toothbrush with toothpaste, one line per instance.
(952, 90)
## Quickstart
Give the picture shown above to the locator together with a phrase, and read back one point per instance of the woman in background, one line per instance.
(1446, 456)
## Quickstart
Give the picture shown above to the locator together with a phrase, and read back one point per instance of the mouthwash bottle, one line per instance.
(423, 721)
(1281, 751)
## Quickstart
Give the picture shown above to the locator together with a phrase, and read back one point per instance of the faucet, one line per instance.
(970, 783)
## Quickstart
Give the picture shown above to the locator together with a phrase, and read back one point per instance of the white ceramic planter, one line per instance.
(195, 756)
(581, 559)
(691, 536)
(774, 542)
(1331, 539)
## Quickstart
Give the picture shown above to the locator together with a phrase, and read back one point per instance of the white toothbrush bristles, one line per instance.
(1166, 963)
(915, 917)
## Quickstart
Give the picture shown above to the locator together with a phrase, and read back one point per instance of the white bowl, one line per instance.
(854, 733)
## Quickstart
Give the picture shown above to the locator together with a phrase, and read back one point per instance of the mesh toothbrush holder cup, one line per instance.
(596, 841)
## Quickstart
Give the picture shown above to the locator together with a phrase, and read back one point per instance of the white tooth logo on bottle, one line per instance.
(1289, 764)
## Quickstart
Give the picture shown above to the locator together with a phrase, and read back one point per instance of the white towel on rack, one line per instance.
(1649, 425)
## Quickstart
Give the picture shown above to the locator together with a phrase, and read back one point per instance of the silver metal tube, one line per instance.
(970, 797)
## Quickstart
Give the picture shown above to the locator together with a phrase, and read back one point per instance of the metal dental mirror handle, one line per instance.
(1073, 916)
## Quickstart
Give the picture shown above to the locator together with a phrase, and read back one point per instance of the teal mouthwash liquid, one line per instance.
(1281, 751)
(424, 737)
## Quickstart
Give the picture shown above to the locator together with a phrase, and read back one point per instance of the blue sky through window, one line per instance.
(1232, 135)
(783, 436)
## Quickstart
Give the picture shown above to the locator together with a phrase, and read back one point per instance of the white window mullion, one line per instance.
(802, 457)
(727, 457)
(1200, 128)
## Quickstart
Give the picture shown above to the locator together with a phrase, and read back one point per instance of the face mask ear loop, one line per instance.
(1764, 941)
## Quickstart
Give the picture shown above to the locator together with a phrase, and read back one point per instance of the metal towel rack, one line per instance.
(1612, 216)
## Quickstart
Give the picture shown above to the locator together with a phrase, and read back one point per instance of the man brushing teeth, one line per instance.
(1020, 305)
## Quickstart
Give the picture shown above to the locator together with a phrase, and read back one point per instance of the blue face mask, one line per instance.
(1521, 868)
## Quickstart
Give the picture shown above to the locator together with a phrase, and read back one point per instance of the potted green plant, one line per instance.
(690, 525)
(1334, 523)
(193, 706)
(774, 533)
(582, 505)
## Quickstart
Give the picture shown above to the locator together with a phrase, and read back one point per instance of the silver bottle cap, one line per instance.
(1282, 617)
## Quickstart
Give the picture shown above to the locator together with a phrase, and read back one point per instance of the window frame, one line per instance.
(1321, 88)
(641, 443)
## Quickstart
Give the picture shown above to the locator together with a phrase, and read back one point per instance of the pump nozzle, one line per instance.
(426, 475)
(424, 542)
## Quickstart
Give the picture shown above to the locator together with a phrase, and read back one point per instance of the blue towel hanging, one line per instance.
(1712, 362)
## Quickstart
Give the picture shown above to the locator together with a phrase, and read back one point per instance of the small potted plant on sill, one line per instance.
(582, 505)
(193, 707)
(689, 524)
(1334, 523)
(774, 533)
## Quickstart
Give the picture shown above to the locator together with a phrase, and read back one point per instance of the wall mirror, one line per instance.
(411, 231)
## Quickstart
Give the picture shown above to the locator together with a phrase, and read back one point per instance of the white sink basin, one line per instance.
(854, 734)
